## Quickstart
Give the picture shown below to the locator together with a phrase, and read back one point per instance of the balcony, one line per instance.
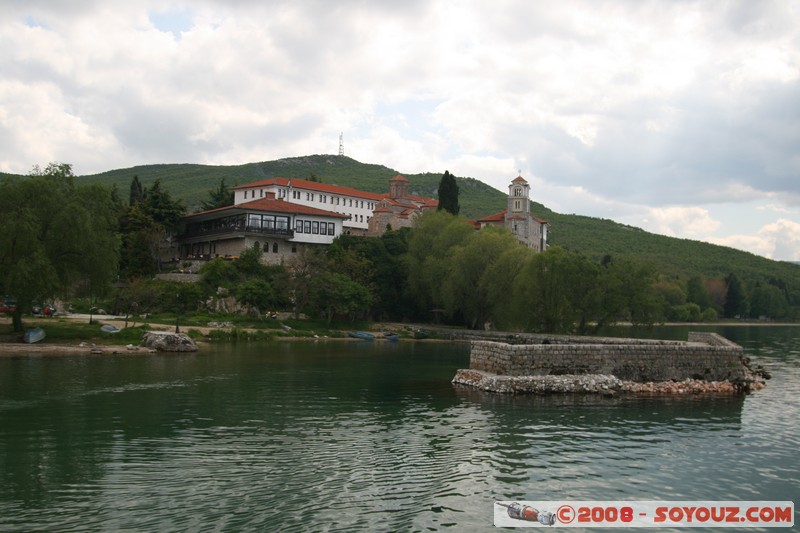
(204, 231)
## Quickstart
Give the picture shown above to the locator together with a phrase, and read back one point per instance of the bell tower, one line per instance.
(519, 197)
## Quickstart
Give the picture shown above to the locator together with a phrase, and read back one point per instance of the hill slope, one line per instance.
(592, 237)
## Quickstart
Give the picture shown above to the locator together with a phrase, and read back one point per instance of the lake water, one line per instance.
(333, 436)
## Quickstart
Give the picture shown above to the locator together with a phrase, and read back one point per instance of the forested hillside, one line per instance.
(592, 237)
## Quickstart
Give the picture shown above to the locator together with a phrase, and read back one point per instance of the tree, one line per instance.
(146, 226)
(697, 292)
(736, 301)
(448, 194)
(159, 205)
(257, 293)
(336, 294)
(429, 249)
(628, 293)
(555, 292)
(222, 196)
(466, 290)
(137, 193)
(54, 234)
(767, 300)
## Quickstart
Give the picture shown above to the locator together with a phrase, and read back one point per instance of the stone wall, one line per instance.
(707, 357)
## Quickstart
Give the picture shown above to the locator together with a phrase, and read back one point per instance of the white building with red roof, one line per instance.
(518, 219)
(396, 209)
(283, 215)
(281, 228)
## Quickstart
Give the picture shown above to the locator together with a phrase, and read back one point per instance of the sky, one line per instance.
(680, 117)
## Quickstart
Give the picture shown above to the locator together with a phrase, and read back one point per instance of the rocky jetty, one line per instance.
(603, 384)
(164, 341)
(705, 364)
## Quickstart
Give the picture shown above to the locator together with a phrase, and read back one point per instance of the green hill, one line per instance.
(593, 237)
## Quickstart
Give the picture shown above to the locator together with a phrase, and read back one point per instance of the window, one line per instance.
(294, 248)
(517, 192)
(274, 247)
(516, 204)
(261, 193)
(307, 226)
(331, 228)
(315, 228)
(298, 226)
(323, 228)
(254, 222)
(351, 202)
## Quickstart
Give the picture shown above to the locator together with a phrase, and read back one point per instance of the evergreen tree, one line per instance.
(137, 193)
(222, 196)
(448, 194)
(159, 205)
(736, 302)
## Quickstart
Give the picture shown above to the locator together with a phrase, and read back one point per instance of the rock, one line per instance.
(164, 341)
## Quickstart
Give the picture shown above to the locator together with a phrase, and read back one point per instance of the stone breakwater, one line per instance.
(706, 364)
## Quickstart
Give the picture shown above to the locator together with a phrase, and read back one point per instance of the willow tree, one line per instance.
(54, 234)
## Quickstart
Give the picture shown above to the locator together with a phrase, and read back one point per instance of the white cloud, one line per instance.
(681, 221)
(615, 109)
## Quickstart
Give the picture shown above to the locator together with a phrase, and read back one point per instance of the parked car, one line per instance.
(7, 305)
(46, 310)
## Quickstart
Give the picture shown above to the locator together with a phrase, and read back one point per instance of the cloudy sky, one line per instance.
(677, 116)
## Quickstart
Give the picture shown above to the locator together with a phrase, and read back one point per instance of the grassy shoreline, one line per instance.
(74, 334)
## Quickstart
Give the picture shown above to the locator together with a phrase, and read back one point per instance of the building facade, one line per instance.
(530, 231)
(281, 228)
(395, 209)
(284, 215)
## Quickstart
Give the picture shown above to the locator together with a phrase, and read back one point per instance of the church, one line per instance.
(517, 218)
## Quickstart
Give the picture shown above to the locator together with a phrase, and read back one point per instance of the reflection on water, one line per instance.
(357, 436)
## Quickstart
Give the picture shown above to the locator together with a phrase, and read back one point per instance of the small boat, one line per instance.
(363, 335)
(109, 328)
(391, 337)
(34, 335)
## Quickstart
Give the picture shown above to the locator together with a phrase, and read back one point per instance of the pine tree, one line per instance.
(448, 194)
(736, 304)
(222, 196)
(136, 191)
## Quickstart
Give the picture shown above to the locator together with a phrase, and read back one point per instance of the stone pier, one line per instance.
(707, 362)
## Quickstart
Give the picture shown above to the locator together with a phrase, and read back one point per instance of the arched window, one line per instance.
(274, 247)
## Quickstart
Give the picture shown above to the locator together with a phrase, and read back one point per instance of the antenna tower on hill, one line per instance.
(341, 143)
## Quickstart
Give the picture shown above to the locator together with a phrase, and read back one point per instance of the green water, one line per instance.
(363, 436)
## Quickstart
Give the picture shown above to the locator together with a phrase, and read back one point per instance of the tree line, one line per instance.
(58, 239)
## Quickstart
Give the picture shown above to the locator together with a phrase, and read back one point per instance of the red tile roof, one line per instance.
(519, 179)
(497, 217)
(312, 186)
(273, 206)
(335, 189)
(501, 216)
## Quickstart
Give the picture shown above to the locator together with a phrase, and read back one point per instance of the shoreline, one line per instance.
(17, 349)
